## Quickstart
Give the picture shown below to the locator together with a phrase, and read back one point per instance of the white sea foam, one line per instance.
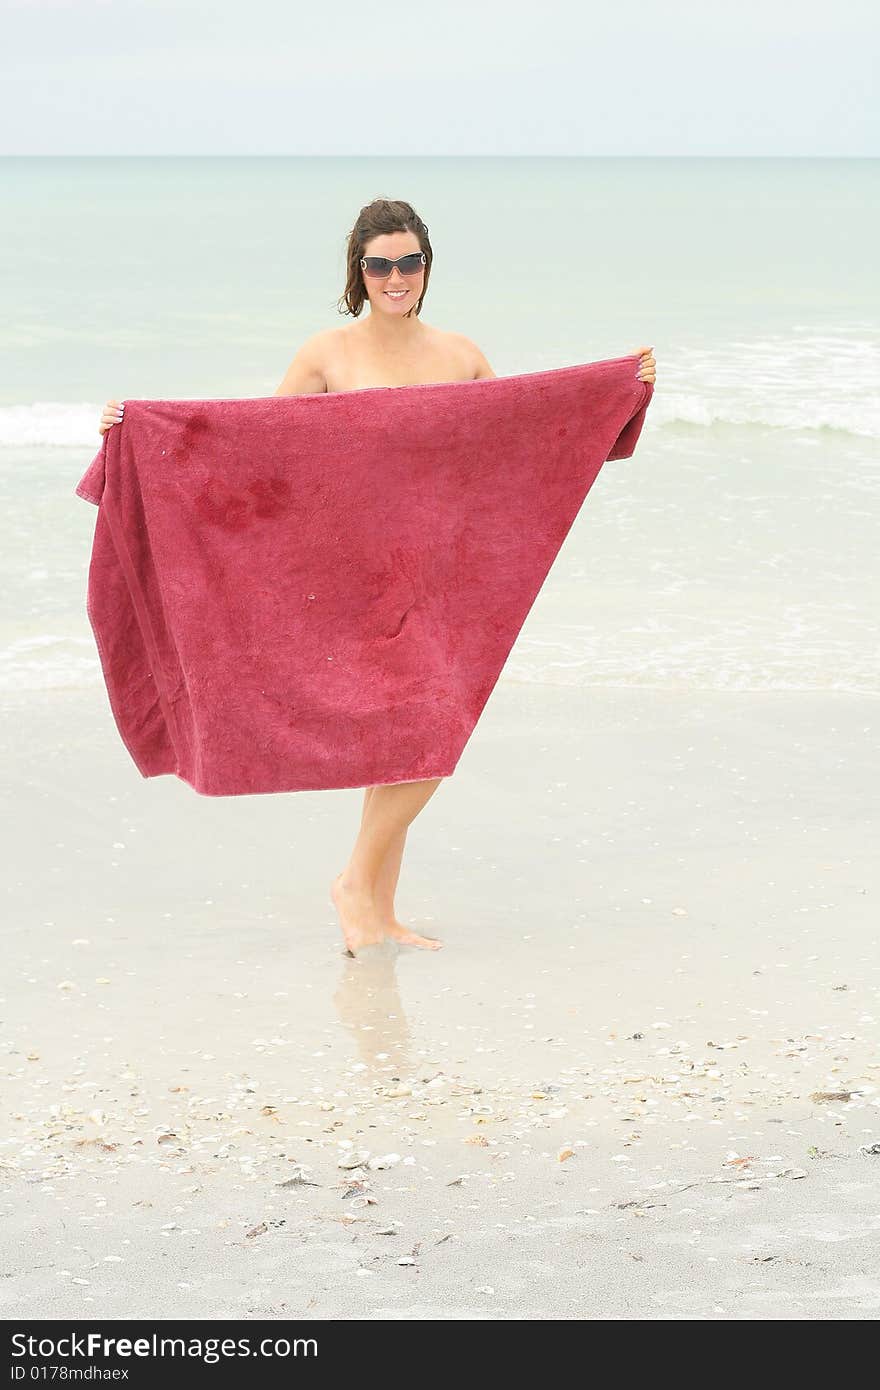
(50, 423)
(46, 661)
(55, 424)
(804, 380)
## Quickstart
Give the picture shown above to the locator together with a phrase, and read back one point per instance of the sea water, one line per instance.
(738, 548)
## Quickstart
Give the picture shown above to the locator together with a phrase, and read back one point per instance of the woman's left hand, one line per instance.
(646, 365)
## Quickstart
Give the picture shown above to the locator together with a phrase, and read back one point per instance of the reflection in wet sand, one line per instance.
(368, 1003)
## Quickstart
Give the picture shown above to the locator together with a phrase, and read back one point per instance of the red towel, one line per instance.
(291, 593)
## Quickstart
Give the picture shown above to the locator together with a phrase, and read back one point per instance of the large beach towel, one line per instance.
(294, 593)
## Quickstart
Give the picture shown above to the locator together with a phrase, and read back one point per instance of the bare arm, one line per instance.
(477, 363)
(305, 375)
(483, 368)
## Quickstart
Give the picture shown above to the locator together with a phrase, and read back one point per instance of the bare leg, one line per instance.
(356, 893)
(386, 883)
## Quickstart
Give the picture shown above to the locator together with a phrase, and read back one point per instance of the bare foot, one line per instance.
(403, 934)
(360, 922)
(364, 925)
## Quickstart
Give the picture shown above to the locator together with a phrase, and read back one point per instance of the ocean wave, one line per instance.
(799, 380)
(51, 424)
(806, 379)
(57, 424)
(46, 662)
(858, 418)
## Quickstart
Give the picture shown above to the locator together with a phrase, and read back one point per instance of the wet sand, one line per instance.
(639, 1081)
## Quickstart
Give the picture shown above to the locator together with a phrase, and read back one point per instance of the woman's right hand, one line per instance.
(112, 416)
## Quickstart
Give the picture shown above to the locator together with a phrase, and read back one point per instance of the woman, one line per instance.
(388, 263)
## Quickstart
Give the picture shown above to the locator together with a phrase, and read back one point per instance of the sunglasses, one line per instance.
(379, 267)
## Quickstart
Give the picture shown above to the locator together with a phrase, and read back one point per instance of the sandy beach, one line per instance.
(639, 1081)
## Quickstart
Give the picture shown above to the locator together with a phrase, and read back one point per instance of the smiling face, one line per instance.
(399, 294)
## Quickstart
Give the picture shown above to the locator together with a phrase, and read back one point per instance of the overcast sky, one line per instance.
(627, 77)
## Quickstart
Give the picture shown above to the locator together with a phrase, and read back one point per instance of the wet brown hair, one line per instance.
(375, 219)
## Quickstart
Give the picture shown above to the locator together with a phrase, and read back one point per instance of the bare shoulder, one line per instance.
(473, 361)
(311, 365)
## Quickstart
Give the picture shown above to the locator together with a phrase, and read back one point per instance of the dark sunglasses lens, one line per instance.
(380, 266)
